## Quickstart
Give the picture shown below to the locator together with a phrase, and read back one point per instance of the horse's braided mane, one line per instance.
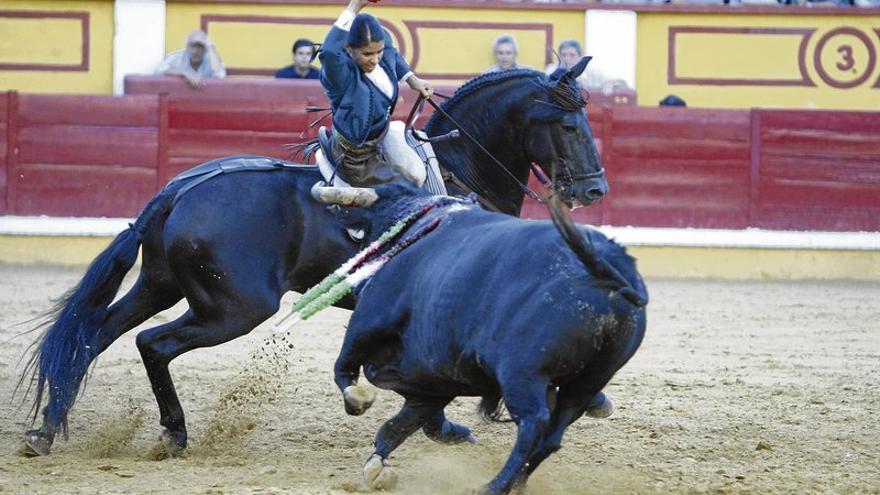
(482, 81)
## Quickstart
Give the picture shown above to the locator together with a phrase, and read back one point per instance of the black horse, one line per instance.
(234, 244)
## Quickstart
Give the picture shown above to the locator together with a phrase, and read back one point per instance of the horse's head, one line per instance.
(519, 117)
(558, 138)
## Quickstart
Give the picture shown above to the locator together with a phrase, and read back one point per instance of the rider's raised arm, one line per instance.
(335, 62)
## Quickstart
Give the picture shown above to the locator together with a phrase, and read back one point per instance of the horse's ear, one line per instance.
(575, 71)
(579, 67)
(557, 74)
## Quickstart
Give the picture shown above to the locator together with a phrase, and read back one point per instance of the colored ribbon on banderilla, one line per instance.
(357, 269)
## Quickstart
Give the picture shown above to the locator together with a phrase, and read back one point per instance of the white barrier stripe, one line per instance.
(748, 238)
(628, 236)
(62, 226)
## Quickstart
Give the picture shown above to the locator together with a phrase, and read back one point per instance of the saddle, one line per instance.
(225, 165)
(426, 171)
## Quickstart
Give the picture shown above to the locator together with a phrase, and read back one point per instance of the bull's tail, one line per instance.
(606, 274)
(72, 338)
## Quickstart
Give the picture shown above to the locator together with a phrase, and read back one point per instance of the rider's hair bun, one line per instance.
(365, 29)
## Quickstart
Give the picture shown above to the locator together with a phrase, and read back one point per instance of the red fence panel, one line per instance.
(817, 170)
(204, 129)
(106, 156)
(678, 168)
(85, 155)
(5, 111)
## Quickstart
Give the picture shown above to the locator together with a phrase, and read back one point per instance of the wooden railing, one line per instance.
(69, 155)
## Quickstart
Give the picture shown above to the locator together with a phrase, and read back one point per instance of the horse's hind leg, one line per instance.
(149, 295)
(159, 346)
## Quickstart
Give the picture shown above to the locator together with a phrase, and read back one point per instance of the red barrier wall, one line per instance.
(105, 156)
(679, 168)
(83, 155)
(5, 113)
(816, 170)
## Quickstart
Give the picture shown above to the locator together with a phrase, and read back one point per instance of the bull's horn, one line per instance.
(363, 197)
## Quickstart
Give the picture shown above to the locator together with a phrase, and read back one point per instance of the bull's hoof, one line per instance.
(601, 407)
(36, 443)
(358, 399)
(377, 474)
(174, 443)
(451, 434)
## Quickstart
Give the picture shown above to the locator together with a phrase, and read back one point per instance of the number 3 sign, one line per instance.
(844, 58)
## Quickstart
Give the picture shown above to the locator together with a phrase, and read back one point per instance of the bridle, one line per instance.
(568, 178)
(565, 181)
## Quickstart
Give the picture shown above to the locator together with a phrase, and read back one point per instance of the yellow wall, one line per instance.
(455, 44)
(26, 37)
(757, 52)
(757, 264)
(260, 36)
(654, 261)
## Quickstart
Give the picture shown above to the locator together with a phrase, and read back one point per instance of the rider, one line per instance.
(360, 69)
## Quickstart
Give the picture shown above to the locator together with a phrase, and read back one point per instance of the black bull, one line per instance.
(497, 307)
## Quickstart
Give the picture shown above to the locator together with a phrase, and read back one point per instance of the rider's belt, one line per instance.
(352, 149)
(354, 154)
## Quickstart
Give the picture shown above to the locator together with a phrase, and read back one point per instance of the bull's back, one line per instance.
(485, 290)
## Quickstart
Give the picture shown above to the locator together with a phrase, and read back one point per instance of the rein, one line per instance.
(413, 115)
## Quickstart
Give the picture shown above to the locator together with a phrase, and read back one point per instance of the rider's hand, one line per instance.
(423, 87)
(356, 5)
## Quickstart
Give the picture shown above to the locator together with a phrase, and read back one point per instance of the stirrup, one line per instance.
(325, 140)
(324, 159)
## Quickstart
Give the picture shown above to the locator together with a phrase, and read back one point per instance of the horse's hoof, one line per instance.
(36, 443)
(358, 399)
(377, 474)
(174, 443)
(601, 407)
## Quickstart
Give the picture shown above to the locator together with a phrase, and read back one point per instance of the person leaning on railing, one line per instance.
(198, 61)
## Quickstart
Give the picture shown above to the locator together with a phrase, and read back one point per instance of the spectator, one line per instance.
(569, 54)
(303, 50)
(505, 50)
(195, 63)
(672, 101)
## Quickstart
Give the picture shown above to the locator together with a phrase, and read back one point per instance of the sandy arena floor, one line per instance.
(756, 387)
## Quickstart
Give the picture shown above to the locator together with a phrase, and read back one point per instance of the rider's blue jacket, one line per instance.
(360, 109)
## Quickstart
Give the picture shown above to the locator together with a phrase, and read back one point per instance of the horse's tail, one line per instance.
(70, 342)
(607, 275)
